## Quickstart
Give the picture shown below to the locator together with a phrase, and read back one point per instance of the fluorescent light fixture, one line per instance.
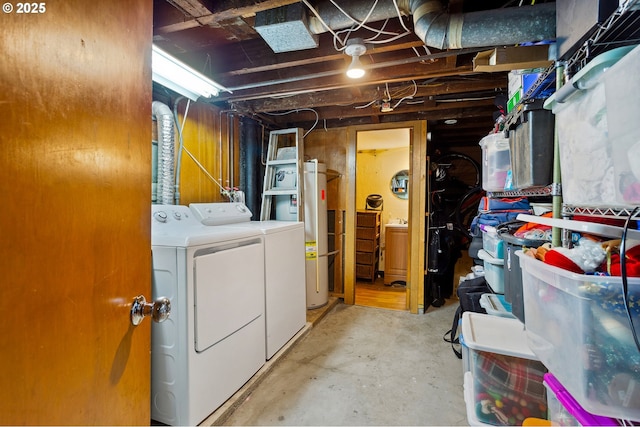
(181, 78)
(355, 48)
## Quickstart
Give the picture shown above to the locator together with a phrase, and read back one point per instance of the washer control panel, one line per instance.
(171, 214)
(221, 213)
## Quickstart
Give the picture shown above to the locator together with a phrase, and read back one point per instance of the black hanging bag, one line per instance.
(469, 293)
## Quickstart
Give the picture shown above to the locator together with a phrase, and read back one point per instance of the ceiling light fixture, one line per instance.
(450, 122)
(181, 78)
(355, 48)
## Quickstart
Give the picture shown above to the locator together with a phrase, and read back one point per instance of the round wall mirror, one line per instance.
(400, 184)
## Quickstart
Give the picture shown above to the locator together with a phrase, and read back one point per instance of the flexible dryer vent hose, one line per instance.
(166, 144)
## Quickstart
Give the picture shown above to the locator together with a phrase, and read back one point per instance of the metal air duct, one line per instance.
(496, 27)
(441, 30)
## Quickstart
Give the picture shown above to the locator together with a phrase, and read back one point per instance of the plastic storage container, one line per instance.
(513, 273)
(531, 147)
(493, 271)
(496, 162)
(577, 326)
(491, 242)
(580, 107)
(504, 383)
(495, 305)
(623, 108)
(564, 410)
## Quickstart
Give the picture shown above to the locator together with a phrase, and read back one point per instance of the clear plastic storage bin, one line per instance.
(493, 271)
(491, 241)
(495, 305)
(504, 382)
(623, 107)
(582, 119)
(577, 325)
(564, 410)
(496, 161)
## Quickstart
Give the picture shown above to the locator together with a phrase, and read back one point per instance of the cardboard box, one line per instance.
(512, 58)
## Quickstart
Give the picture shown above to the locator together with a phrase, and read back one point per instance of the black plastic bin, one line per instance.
(531, 147)
(512, 271)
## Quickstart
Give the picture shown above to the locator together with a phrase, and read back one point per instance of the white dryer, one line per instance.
(214, 341)
(284, 268)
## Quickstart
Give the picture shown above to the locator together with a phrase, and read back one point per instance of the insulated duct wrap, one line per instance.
(166, 144)
(442, 30)
(505, 26)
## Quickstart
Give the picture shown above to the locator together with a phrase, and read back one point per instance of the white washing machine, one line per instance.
(284, 268)
(213, 342)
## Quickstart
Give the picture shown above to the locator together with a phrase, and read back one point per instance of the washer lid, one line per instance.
(270, 226)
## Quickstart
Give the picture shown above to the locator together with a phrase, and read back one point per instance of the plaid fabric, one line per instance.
(508, 389)
(511, 377)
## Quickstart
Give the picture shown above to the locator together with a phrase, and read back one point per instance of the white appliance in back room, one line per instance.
(214, 340)
(316, 238)
(284, 267)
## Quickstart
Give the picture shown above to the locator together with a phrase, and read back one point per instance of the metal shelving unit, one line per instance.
(529, 192)
(608, 212)
(622, 28)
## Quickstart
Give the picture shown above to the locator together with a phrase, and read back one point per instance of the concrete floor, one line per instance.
(358, 366)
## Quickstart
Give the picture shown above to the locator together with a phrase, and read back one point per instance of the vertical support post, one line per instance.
(556, 233)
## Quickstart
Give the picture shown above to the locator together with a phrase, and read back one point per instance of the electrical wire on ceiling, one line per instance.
(388, 96)
(357, 107)
(340, 43)
(415, 90)
(297, 110)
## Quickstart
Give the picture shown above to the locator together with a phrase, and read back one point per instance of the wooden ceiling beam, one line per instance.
(347, 113)
(290, 87)
(262, 63)
(369, 93)
(219, 11)
(310, 120)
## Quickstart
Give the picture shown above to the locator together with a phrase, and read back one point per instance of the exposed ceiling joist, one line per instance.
(218, 39)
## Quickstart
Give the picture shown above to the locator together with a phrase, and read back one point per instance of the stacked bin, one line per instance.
(503, 383)
(564, 410)
(491, 255)
(513, 292)
(531, 147)
(594, 155)
(496, 161)
(579, 327)
(623, 107)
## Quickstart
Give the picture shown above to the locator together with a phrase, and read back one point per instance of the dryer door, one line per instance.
(228, 290)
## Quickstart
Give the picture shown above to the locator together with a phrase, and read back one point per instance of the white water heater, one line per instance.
(315, 226)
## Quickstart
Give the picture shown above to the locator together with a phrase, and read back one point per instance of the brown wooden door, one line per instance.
(75, 132)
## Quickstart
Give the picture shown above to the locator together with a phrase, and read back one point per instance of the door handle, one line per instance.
(159, 310)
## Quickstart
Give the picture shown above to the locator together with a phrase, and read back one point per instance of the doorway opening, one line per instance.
(383, 159)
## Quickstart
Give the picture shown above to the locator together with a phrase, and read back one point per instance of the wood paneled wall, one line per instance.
(211, 136)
